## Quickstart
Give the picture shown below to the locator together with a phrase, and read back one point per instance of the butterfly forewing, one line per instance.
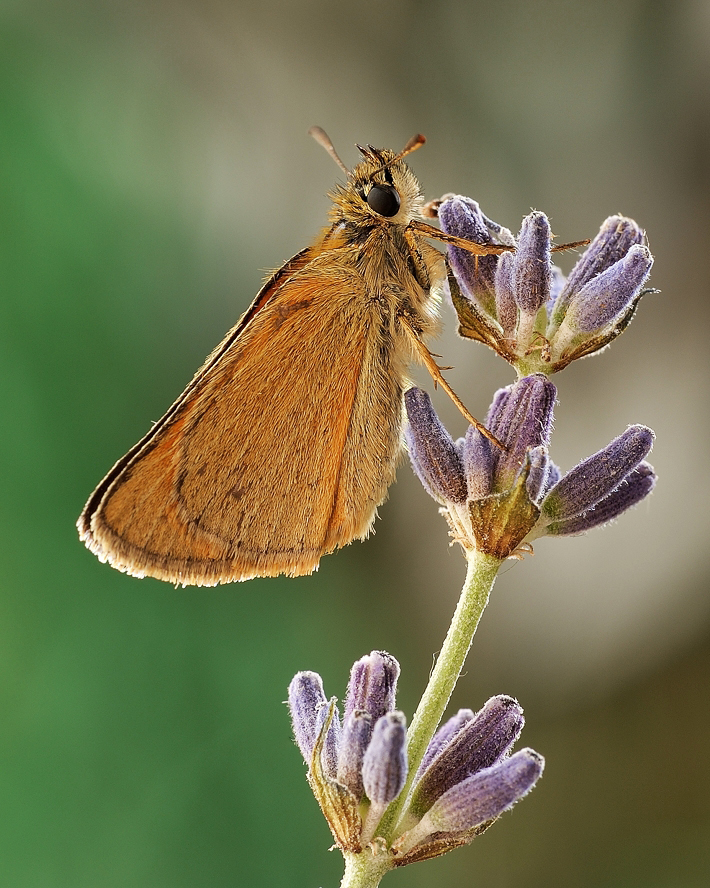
(225, 488)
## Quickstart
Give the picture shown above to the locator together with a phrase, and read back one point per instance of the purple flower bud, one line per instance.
(506, 306)
(532, 270)
(432, 451)
(480, 743)
(444, 735)
(487, 794)
(608, 296)
(521, 418)
(384, 768)
(615, 238)
(636, 486)
(329, 754)
(462, 217)
(596, 477)
(306, 698)
(373, 685)
(354, 740)
(478, 463)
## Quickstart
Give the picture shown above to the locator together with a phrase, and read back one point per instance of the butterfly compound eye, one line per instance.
(383, 199)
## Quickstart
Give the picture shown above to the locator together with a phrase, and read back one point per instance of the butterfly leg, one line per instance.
(436, 374)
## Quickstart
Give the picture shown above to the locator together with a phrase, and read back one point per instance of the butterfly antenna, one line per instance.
(321, 137)
(412, 145)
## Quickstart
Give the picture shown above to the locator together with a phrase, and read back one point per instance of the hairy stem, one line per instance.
(365, 870)
(480, 576)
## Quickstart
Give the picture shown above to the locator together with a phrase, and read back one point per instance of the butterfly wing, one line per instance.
(280, 449)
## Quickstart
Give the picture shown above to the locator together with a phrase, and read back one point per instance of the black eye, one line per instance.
(383, 199)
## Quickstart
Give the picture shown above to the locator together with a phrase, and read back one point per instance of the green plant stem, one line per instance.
(365, 870)
(480, 576)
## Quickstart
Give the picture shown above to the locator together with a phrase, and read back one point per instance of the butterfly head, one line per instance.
(380, 190)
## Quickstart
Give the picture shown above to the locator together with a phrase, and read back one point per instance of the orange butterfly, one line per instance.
(286, 440)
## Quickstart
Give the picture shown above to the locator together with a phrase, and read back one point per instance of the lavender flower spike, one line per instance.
(517, 495)
(352, 762)
(520, 305)
(464, 782)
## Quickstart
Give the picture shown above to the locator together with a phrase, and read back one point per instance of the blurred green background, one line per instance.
(153, 164)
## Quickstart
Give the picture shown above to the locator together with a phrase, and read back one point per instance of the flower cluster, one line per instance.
(496, 500)
(521, 305)
(358, 766)
(498, 493)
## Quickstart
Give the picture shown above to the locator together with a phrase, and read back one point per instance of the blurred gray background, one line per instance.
(154, 164)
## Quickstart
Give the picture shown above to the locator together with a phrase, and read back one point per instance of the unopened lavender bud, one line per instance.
(462, 217)
(636, 486)
(432, 450)
(608, 296)
(485, 795)
(444, 736)
(331, 741)
(615, 238)
(354, 740)
(384, 768)
(478, 463)
(306, 699)
(479, 744)
(521, 420)
(506, 306)
(532, 269)
(537, 481)
(596, 477)
(373, 685)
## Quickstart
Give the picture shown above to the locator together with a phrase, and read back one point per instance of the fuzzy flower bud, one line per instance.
(479, 743)
(384, 767)
(479, 799)
(463, 217)
(434, 455)
(532, 270)
(306, 699)
(467, 780)
(373, 685)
